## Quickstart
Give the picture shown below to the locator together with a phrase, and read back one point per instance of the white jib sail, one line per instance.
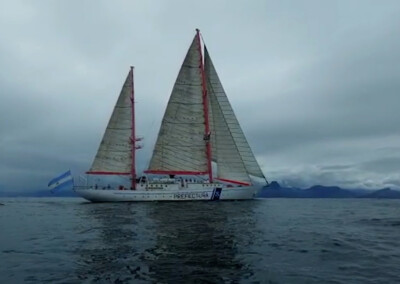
(114, 153)
(231, 151)
(180, 145)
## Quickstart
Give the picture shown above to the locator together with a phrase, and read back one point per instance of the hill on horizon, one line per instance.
(275, 190)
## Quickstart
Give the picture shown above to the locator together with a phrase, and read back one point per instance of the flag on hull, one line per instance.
(63, 181)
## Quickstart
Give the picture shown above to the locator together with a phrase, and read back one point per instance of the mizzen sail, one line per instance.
(114, 155)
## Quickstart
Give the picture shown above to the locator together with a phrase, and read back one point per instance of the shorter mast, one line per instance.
(133, 135)
(205, 109)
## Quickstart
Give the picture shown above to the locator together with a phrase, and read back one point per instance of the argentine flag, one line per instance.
(62, 181)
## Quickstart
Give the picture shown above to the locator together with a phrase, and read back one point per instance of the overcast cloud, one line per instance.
(315, 84)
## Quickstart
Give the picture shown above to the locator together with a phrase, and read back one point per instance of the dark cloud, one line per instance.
(314, 84)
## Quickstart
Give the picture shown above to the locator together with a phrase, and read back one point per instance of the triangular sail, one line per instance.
(114, 155)
(231, 151)
(180, 146)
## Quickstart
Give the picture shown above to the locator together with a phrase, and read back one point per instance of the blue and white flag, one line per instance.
(62, 181)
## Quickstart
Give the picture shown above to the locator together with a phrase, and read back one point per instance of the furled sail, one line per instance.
(114, 155)
(231, 151)
(180, 147)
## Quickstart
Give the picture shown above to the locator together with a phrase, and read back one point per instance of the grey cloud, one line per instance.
(382, 165)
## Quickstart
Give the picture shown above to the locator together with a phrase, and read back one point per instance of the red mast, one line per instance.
(133, 135)
(205, 108)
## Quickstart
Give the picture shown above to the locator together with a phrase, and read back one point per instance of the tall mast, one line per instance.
(133, 135)
(205, 109)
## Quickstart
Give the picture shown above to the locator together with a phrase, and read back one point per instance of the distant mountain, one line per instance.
(383, 193)
(274, 190)
(319, 191)
(360, 192)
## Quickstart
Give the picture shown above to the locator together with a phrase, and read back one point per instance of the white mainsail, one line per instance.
(114, 155)
(180, 145)
(231, 151)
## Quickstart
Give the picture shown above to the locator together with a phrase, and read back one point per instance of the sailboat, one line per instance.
(201, 152)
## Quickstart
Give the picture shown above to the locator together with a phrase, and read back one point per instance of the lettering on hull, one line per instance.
(191, 195)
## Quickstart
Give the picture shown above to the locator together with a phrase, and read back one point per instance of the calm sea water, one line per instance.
(65, 240)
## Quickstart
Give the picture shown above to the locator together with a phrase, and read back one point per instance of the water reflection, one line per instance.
(113, 242)
(198, 242)
(167, 242)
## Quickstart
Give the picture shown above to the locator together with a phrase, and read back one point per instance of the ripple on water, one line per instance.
(263, 241)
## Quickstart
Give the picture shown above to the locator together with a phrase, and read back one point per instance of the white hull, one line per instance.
(182, 194)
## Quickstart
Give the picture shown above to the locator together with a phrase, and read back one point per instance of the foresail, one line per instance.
(231, 151)
(225, 153)
(114, 155)
(180, 146)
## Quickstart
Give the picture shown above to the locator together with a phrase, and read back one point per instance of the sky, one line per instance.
(315, 84)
